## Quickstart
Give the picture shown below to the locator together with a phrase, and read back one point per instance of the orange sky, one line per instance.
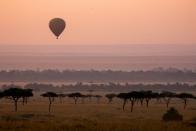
(99, 21)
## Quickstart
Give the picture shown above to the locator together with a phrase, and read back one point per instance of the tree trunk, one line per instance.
(16, 105)
(132, 104)
(141, 102)
(124, 103)
(185, 103)
(49, 107)
(50, 103)
(147, 102)
(167, 103)
(75, 100)
(26, 100)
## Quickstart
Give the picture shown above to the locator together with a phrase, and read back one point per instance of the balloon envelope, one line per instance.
(57, 26)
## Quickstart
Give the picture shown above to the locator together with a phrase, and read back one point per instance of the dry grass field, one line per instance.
(92, 116)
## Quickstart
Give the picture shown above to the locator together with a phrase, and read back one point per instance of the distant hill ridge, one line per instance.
(156, 75)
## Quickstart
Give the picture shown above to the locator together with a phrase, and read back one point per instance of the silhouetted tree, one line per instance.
(14, 94)
(61, 96)
(51, 97)
(167, 96)
(110, 97)
(140, 97)
(1, 95)
(75, 96)
(185, 97)
(148, 95)
(124, 97)
(26, 94)
(133, 96)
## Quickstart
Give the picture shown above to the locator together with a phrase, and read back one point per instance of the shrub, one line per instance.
(193, 122)
(172, 115)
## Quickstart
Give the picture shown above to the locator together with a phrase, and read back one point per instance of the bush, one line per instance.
(193, 122)
(172, 115)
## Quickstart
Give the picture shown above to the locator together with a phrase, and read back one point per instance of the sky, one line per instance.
(94, 22)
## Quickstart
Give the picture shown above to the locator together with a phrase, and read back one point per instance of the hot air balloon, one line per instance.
(57, 26)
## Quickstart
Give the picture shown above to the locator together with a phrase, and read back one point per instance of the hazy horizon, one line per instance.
(99, 50)
(99, 57)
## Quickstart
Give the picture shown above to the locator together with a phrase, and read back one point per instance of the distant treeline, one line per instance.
(108, 87)
(168, 75)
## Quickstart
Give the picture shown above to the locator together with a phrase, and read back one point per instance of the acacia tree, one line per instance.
(148, 95)
(124, 97)
(61, 96)
(133, 96)
(1, 94)
(185, 97)
(51, 97)
(26, 94)
(140, 97)
(167, 96)
(75, 96)
(110, 97)
(14, 94)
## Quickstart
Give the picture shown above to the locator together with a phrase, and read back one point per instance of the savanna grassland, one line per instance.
(92, 116)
